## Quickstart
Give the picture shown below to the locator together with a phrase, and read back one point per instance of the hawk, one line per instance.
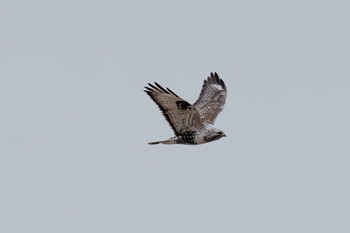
(192, 123)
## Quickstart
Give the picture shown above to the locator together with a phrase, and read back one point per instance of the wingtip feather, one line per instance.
(156, 87)
(214, 78)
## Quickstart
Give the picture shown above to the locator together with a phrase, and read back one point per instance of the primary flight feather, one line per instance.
(192, 123)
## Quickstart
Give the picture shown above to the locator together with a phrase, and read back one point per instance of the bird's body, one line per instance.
(191, 123)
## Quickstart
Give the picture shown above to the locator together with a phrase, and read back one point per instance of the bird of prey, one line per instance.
(192, 123)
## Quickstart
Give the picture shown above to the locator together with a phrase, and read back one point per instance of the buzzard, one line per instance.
(191, 123)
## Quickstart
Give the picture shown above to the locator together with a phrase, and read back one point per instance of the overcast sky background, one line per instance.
(75, 121)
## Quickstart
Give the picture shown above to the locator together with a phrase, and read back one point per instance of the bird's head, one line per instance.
(216, 134)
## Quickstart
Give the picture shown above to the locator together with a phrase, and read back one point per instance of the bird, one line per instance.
(192, 123)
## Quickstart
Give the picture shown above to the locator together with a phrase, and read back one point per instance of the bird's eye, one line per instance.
(220, 133)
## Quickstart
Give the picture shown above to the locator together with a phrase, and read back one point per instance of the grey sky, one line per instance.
(75, 121)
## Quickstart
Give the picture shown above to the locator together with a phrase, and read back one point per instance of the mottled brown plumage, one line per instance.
(192, 124)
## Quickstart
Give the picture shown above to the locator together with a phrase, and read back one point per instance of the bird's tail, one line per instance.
(169, 141)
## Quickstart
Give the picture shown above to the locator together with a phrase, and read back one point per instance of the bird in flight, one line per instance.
(192, 123)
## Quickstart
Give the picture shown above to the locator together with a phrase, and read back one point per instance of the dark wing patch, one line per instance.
(212, 98)
(183, 105)
(181, 115)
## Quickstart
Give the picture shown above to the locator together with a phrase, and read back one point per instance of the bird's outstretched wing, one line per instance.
(212, 98)
(181, 115)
